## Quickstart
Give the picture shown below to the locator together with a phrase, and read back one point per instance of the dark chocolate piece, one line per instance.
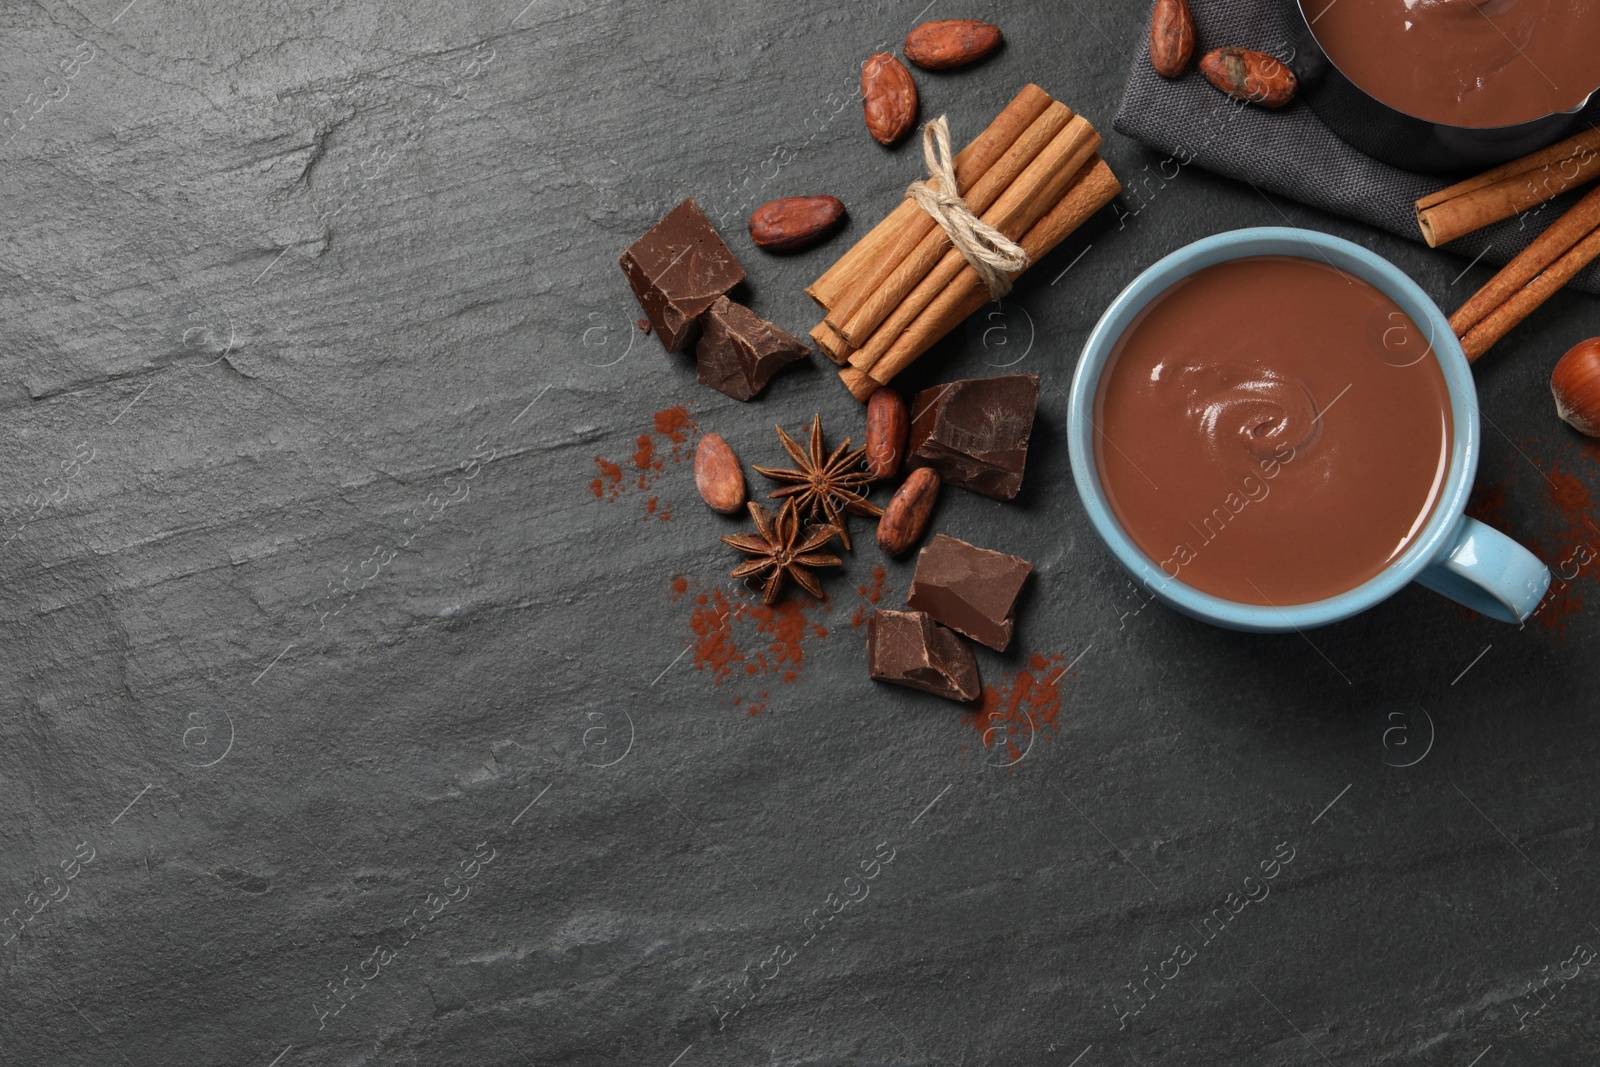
(908, 648)
(677, 270)
(971, 590)
(739, 351)
(975, 433)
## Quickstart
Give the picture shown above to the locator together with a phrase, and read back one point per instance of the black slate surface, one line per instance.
(345, 723)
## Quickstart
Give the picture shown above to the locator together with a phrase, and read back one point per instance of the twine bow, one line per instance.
(991, 253)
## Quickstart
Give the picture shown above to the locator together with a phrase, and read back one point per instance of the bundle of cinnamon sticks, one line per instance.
(1033, 174)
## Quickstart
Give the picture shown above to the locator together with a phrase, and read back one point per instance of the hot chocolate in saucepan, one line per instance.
(1468, 63)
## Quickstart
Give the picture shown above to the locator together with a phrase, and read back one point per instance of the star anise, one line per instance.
(826, 487)
(781, 551)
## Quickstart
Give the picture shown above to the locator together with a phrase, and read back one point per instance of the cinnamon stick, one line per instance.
(832, 345)
(1524, 301)
(1092, 188)
(856, 318)
(1561, 235)
(1509, 189)
(1030, 197)
(836, 280)
(866, 259)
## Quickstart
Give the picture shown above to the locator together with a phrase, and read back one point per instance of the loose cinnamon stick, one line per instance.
(855, 318)
(1524, 301)
(1509, 189)
(1092, 189)
(867, 258)
(1568, 230)
(1031, 196)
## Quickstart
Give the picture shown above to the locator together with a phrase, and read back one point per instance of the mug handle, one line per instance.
(1489, 573)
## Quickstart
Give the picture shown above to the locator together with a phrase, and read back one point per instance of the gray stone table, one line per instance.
(355, 711)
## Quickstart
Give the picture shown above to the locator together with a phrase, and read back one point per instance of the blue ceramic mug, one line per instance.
(1454, 555)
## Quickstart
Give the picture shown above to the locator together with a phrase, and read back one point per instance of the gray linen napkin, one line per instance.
(1290, 152)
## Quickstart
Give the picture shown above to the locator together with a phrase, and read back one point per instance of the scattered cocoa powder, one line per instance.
(1564, 530)
(676, 424)
(1021, 710)
(1572, 539)
(644, 459)
(736, 637)
(1488, 504)
(872, 594)
(668, 443)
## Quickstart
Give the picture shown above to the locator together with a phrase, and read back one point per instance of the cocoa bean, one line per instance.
(1250, 76)
(889, 98)
(906, 517)
(718, 475)
(794, 222)
(951, 43)
(1171, 37)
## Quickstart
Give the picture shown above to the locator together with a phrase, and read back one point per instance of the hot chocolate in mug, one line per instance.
(1224, 370)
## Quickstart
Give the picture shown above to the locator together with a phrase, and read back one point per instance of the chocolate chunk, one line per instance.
(677, 270)
(975, 433)
(908, 648)
(739, 351)
(971, 590)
